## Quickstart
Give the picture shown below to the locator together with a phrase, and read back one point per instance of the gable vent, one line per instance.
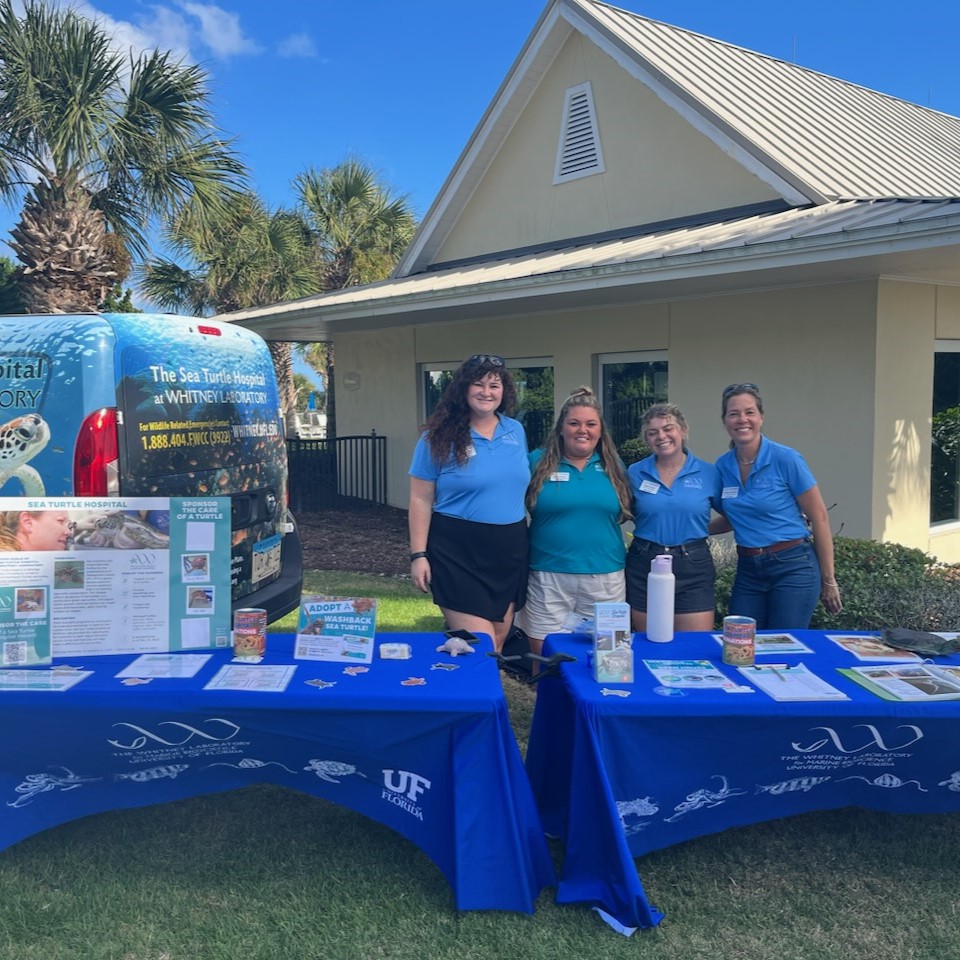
(578, 153)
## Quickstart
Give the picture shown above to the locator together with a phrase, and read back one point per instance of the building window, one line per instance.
(533, 379)
(945, 447)
(629, 384)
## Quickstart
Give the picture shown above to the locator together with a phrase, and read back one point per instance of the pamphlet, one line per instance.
(336, 628)
(56, 680)
(165, 665)
(870, 649)
(692, 674)
(773, 643)
(922, 681)
(783, 681)
(253, 677)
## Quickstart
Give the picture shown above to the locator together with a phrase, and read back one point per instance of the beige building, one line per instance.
(656, 212)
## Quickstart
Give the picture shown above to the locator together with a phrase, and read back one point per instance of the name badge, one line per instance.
(560, 477)
(648, 486)
(729, 493)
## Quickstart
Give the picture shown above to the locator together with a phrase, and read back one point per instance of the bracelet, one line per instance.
(829, 583)
(419, 555)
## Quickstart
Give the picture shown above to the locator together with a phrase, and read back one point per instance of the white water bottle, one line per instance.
(661, 584)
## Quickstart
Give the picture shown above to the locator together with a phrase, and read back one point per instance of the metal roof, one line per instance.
(831, 231)
(841, 139)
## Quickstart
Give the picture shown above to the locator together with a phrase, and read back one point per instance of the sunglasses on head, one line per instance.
(740, 388)
(490, 358)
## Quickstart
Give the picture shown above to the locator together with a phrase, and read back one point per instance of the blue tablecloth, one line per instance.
(617, 777)
(436, 761)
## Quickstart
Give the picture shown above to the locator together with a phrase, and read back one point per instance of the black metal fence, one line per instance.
(322, 472)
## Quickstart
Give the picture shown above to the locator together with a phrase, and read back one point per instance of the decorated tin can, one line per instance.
(739, 634)
(249, 632)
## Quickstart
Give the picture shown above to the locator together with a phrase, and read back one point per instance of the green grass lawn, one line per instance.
(269, 874)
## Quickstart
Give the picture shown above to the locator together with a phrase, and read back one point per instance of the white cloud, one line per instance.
(297, 45)
(189, 33)
(220, 30)
(165, 29)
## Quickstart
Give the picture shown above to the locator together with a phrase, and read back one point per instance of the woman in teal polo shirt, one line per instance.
(673, 494)
(468, 529)
(577, 499)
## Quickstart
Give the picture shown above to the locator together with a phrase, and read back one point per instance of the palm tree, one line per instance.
(94, 144)
(244, 256)
(360, 229)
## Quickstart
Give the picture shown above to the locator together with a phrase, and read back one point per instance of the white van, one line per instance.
(107, 405)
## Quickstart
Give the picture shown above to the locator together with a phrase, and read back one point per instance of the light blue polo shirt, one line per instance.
(765, 511)
(490, 486)
(673, 515)
(574, 526)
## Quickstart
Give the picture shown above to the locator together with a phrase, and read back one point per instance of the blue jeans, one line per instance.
(779, 590)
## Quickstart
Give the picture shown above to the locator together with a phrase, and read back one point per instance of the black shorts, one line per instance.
(692, 566)
(478, 568)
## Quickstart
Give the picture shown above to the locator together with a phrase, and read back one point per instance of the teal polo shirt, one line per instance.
(573, 527)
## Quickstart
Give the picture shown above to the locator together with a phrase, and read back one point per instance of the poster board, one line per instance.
(336, 628)
(129, 575)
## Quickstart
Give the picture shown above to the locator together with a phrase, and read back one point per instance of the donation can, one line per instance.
(739, 635)
(249, 632)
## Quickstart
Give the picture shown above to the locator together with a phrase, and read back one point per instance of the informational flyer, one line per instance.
(691, 674)
(82, 577)
(253, 677)
(773, 643)
(336, 628)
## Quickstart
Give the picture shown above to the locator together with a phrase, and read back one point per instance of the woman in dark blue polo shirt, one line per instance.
(768, 496)
(468, 528)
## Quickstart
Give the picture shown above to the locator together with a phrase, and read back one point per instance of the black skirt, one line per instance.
(478, 568)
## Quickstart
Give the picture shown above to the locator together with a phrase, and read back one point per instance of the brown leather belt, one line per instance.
(773, 548)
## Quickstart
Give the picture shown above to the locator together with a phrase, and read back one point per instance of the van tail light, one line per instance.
(96, 457)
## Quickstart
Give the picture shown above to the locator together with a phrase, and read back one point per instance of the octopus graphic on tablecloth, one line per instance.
(36, 783)
(705, 798)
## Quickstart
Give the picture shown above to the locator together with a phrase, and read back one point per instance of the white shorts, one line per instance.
(553, 597)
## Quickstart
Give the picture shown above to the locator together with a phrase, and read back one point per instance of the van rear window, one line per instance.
(204, 405)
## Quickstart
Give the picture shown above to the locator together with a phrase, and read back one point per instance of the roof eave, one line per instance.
(490, 298)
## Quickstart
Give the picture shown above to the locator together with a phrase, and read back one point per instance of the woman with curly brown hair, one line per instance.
(577, 499)
(468, 530)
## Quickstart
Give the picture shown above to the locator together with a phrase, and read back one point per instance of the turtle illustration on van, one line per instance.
(20, 440)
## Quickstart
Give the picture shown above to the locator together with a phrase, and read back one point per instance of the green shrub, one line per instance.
(633, 450)
(881, 585)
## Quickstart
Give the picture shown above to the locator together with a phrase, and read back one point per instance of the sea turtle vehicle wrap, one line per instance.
(197, 413)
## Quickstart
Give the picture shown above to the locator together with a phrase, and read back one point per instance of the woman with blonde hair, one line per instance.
(34, 530)
(673, 495)
(577, 499)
